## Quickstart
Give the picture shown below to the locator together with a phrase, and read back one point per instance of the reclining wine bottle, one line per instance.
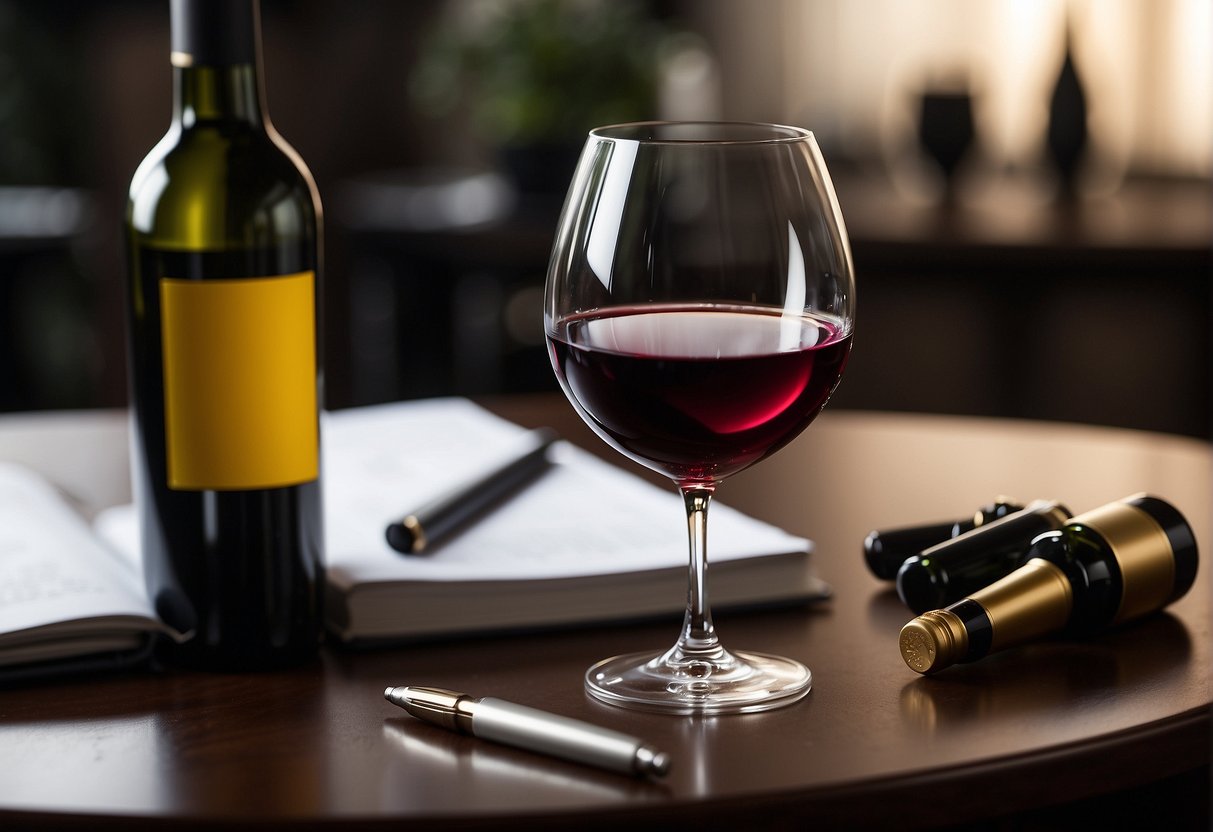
(979, 557)
(1104, 567)
(885, 551)
(223, 231)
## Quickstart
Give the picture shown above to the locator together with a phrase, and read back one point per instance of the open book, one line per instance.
(584, 542)
(63, 593)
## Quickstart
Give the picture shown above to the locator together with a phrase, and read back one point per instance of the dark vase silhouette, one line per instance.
(1067, 133)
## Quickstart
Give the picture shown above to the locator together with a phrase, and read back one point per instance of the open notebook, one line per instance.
(584, 542)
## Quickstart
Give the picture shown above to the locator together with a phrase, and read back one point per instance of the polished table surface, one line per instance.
(873, 744)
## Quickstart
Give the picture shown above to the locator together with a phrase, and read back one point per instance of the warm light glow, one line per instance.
(854, 70)
(1191, 69)
(1022, 61)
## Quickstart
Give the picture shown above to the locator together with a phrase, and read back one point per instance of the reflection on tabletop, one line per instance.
(1025, 680)
(424, 759)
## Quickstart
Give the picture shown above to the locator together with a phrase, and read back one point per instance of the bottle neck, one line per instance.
(227, 94)
(1033, 601)
(214, 49)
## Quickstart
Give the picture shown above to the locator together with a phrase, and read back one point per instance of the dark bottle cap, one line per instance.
(1179, 535)
(951, 570)
(214, 32)
(885, 551)
(1152, 548)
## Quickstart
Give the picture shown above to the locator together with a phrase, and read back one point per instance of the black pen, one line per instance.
(438, 518)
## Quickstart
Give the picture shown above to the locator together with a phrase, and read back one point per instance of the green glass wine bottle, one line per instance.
(223, 229)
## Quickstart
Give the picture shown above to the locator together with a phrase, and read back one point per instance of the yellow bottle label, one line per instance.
(240, 382)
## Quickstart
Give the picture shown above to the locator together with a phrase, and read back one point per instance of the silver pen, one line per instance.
(532, 729)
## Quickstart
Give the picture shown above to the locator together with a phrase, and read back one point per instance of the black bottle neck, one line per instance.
(215, 56)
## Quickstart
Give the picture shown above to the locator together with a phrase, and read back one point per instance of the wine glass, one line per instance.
(699, 309)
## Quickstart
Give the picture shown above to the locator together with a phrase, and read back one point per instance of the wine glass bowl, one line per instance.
(699, 312)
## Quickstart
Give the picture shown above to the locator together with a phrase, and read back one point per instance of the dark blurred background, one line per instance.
(1026, 185)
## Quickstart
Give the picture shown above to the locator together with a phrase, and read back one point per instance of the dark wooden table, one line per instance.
(873, 745)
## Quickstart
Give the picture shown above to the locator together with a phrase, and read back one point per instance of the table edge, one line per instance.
(921, 800)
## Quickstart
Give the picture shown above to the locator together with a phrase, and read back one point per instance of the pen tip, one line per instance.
(651, 762)
(387, 694)
(660, 766)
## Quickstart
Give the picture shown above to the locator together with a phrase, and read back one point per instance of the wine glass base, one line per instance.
(745, 682)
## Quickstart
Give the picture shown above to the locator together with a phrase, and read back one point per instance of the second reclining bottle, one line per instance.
(884, 551)
(951, 570)
(1106, 566)
(223, 231)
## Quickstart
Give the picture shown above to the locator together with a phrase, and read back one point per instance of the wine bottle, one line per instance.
(951, 570)
(885, 551)
(223, 228)
(1104, 567)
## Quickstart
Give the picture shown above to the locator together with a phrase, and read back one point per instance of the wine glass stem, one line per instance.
(698, 634)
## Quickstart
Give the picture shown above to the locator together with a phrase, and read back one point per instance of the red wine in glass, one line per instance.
(699, 306)
(698, 391)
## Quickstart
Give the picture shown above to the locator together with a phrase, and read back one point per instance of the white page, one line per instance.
(581, 517)
(52, 569)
